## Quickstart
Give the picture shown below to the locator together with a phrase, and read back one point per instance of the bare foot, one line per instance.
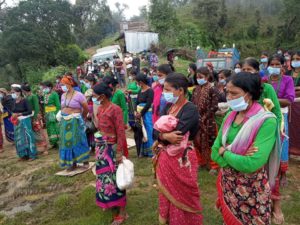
(277, 218)
(283, 180)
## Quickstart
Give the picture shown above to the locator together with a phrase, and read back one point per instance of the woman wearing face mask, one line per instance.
(205, 97)
(8, 103)
(237, 68)
(179, 196)
(284, 87)
(192, 70)
(37, 124)
(83, 87)
(52, 107)
(21, 118)
(57, 87)
(132, 91)
(119, 99)
(248, 151)
(73, 147)
(251, 65)
(159, 102)
(287, 63)
(144, 112)
(294, 122)
(223, 76)
(89, 83)
(109, 151)
(263, 67)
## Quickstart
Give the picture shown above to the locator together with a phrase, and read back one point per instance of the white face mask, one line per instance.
(237, 70)
(162, 81)
(238, 104)
(14, 95)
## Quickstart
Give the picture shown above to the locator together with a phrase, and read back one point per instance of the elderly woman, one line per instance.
(248, 151)
(109, 151)
(73, 147)
(21, 118)
(179, 196)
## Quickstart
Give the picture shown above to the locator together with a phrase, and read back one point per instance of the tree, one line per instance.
(162, 16)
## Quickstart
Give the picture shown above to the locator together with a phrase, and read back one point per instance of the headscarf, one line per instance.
(68, 80)
(16, 86)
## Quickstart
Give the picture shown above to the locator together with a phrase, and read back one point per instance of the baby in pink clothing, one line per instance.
(166, 124)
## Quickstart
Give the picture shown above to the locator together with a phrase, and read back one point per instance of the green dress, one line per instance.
(52, 106)
(134, 88)
(119, 99)
(264, 141)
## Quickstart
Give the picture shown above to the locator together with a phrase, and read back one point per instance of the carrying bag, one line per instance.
(125, 174)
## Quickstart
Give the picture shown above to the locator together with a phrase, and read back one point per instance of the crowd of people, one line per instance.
(239, 124)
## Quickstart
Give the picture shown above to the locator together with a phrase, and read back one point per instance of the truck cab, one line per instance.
(224, 58)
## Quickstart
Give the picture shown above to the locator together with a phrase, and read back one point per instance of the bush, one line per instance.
(53, 72)
(71, 56)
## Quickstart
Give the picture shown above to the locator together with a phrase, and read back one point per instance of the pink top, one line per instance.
(75, 102)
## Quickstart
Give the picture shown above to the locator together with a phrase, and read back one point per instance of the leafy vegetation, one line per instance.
(253, 26)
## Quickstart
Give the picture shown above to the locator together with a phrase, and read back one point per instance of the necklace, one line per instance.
(67, 105)
(278, 84)
(176, 108)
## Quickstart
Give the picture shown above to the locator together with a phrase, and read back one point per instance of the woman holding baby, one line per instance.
(176, 163)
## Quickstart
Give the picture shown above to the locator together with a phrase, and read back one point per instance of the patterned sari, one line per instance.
(37, 127)
(8, 126)
(108, 194)
(24, 139)
(74, 146)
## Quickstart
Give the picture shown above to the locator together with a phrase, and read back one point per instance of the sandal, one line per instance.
(119, 219)
(277, 219)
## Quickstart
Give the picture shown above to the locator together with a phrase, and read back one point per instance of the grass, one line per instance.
(74, 204)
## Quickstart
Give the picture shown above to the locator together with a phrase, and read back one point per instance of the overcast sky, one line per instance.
(133, 10)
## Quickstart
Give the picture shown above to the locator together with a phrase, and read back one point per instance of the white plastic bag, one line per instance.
(58, 116)
(125, 174)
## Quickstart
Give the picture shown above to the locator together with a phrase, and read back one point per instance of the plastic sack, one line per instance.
(125, 174)
(58, 116)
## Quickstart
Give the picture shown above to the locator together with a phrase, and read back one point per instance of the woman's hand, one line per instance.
(221, 151)
(174, 137)
(251, 150)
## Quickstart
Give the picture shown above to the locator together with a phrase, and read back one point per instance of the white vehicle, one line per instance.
(107, 53)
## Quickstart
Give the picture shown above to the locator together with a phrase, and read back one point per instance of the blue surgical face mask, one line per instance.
(46, 90)
(223, 82)
(238, 104)
(264, 60)
(201, 81)
(88, 85)
(155, 78)
(161, 81)
(296, 64)
(81, 81)
(14, 95)
(96, 101)
(64, 88)
(170, 98)
(274, 71)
